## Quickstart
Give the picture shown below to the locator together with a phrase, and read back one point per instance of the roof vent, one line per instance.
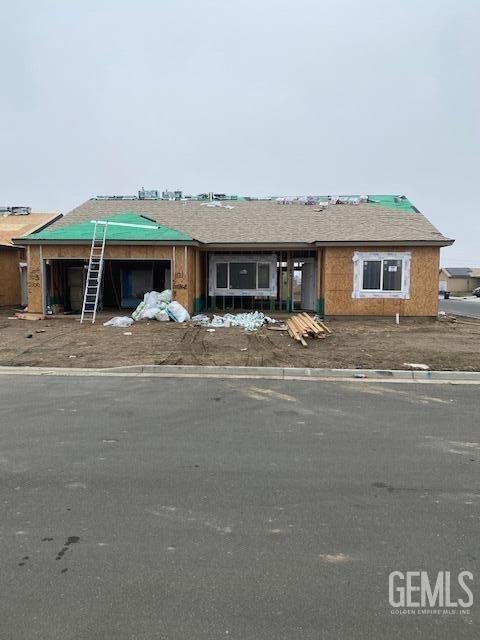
(172, 195)
(15, 211)
(151, 194)
(115, 197)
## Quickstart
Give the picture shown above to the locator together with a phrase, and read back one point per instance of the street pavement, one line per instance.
(457, 306)
(143, 508)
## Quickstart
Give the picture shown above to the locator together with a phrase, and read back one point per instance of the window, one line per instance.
(243, 275)
(381, 275)
(263, 275)
(372, 274)
(222, 275)
(392, 275)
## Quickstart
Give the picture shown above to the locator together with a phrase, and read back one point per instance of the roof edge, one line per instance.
(242, 245)
(446, 242)
(19, 242)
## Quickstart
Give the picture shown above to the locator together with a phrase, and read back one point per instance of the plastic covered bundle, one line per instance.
(162, 316)
(177, 312)
(151, 306)
(249, 321)
(119, 321)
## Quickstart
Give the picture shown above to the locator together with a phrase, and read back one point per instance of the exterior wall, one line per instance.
(10, 289)
(461, 285)
(183, 261)
(334, 277)
(442, 281)
(338, 284)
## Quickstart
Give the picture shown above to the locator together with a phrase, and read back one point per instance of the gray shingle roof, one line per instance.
(459, 272)
(267, 221)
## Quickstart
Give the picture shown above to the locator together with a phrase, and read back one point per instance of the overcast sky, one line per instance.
(259, 97)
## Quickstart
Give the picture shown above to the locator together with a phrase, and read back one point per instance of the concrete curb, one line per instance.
(268, 373)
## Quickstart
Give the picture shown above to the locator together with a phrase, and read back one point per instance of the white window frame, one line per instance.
(214, 259)
(359, 257)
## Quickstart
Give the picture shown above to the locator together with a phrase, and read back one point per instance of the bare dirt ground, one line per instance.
(359, 343)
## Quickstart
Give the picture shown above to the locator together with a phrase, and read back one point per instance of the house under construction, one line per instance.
(369, 255)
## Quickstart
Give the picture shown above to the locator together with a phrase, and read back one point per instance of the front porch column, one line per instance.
(35, 279)
(320, 302)
(183, 266)
(289, 282)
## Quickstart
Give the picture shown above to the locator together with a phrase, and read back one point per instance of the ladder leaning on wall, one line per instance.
(93, 285)
(95, 271)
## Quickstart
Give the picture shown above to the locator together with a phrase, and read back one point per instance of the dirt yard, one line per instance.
(371, 344)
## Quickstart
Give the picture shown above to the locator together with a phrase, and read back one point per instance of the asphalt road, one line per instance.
(460, 307)
(201, 509)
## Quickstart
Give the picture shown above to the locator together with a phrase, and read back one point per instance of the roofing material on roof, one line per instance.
(459, 272)
(12, 226)
(388, 219)
(84, 230)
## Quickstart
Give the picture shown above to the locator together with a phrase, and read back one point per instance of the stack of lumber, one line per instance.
(303, 326)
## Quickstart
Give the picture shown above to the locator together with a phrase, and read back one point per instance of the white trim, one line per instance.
(359, 257)
(216, 258)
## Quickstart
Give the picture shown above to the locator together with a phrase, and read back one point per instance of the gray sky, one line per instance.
(251, 97)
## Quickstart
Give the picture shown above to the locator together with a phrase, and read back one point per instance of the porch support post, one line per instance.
(36, 284)
(320, 302)
(198, 302)
(289, 282)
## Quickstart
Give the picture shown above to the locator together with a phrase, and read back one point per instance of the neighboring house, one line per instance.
(459, 279)
(14, 222)
(371, 255)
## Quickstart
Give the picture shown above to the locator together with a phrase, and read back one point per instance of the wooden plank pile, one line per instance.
(303, 326)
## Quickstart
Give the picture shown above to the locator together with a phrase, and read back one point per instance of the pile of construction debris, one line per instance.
(250, 321)
(154, 306)
(303, 326)
(159, 306)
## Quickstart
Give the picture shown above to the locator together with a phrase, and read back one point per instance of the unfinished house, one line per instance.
(337, 256)
(14, 222)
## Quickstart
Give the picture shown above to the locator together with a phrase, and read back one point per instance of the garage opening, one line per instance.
(124, 283)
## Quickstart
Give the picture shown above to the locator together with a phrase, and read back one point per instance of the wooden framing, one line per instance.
(334, 276)
(182, 266)
(338, 285)
(10, 287)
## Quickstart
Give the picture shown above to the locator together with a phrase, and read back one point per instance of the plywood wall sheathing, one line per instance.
(338, 284)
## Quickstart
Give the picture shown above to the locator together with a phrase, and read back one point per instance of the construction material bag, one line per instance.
(119, 321)
(177, 312)
(162, 316)
(165, 296)
(153, 302)
(150, 313)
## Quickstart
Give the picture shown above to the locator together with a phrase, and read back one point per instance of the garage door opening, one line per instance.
(124, 283)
